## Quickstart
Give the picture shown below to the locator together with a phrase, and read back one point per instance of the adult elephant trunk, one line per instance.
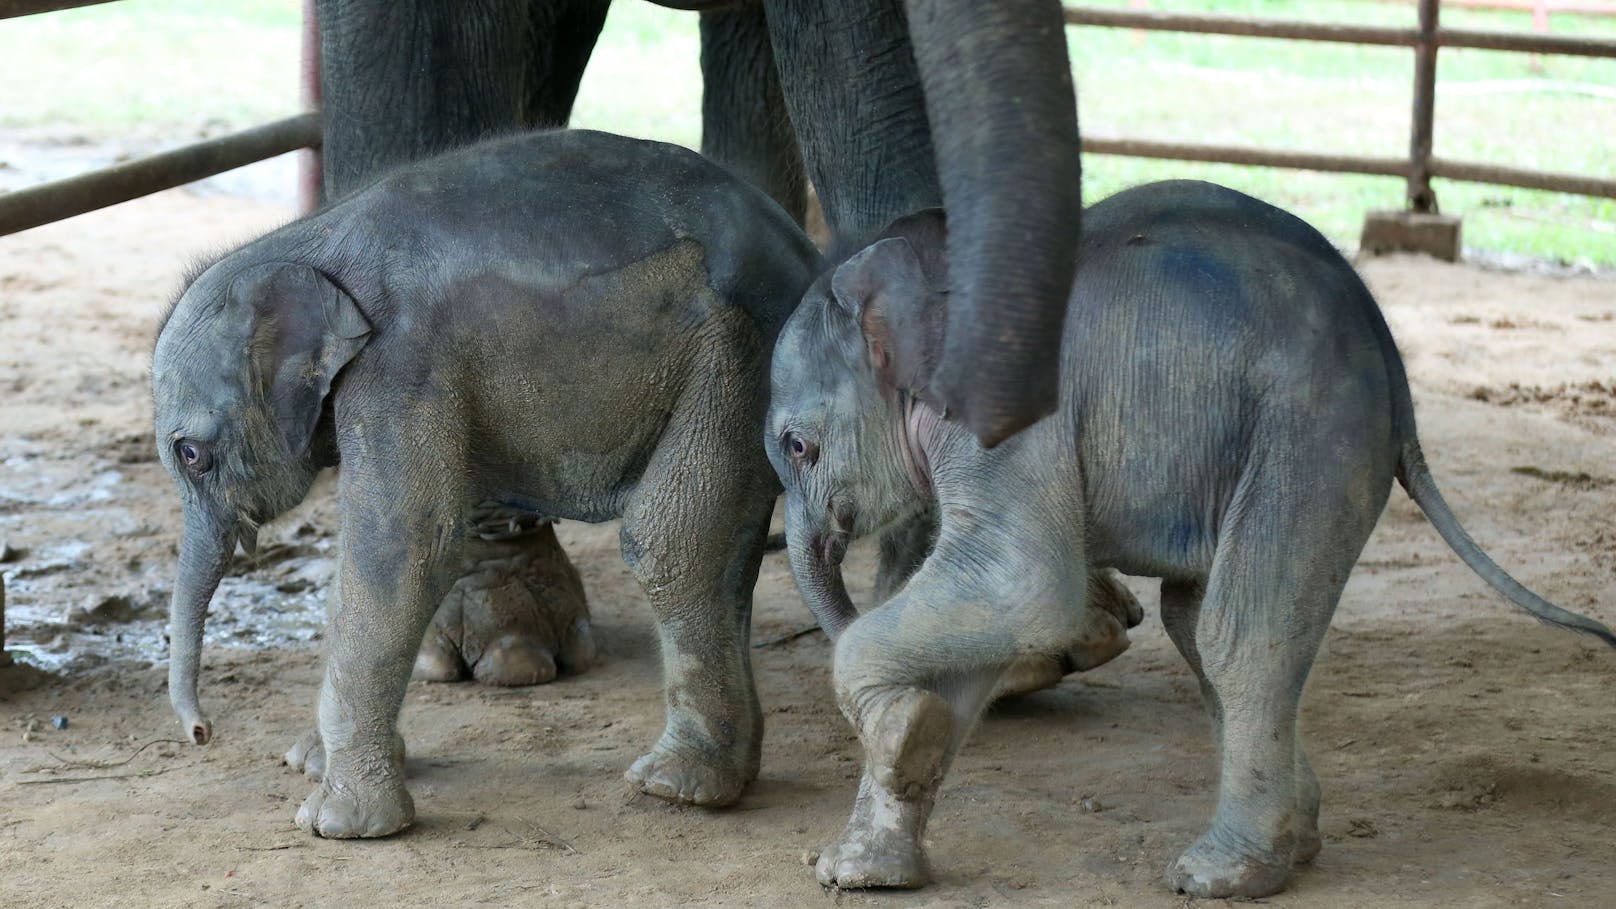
(816, 562)
(999, 97)
(205, 551)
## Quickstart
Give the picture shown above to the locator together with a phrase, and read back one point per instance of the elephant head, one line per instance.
(852, 406)
(242, 369)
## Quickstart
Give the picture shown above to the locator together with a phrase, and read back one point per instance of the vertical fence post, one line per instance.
(310, 171)
(1418, 227)
(1420, 196)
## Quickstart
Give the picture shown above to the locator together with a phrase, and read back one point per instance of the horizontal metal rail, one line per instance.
(1149, 20)
(1235, 154)
(1545, 8)
(1348, 164)
(1525, 43)
(33, 206)
(47, 202)
(10, 9)
(1420, 166)
(1527, 179)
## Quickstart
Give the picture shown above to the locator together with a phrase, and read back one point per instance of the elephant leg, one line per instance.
(559, 41)
(910, 740)
(913, 676)
(693, 535)
(517, 614)
(903, 549)
(1037, 671)
(307, 754)
(1251, 638)
(402, 80)
(853, 91)
(744, 124)
(395, 566)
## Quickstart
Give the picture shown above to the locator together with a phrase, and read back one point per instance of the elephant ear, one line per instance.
(895, 287)
(305, 329)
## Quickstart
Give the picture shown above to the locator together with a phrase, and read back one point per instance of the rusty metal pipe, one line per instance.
(36, 205)
(1194, 23)
(12, 8)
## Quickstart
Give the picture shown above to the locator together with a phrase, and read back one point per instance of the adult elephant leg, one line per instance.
(855, 99)
(744, 124)
(561, 38)
(404, 80)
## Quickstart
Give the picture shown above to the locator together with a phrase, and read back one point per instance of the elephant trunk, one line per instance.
(205, 551)
(816, 562)
(999, 96)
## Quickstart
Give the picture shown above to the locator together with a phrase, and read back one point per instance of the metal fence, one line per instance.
(33, 206)
(1420, 165)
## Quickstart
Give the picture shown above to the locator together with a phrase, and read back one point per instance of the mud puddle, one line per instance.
(82, 587)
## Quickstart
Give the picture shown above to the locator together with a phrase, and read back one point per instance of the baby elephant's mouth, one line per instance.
(830, 548)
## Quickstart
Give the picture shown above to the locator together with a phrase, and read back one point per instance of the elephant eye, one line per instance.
(801, 449)
(196, 457)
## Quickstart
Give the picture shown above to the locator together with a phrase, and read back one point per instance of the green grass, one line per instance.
(151, 67)
(179, 67)
(1511, 109)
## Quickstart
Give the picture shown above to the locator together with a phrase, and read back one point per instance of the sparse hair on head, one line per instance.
(193, 270)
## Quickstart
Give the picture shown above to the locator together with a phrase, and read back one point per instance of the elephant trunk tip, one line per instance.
(199, 730)
(994, 418)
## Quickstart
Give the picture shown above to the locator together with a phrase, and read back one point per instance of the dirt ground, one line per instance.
(1467, 755)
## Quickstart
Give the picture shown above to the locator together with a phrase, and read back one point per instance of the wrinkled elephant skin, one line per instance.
(568, 325)
(1232, 415)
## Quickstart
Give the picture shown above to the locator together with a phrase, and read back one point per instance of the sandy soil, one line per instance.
(1467, 755)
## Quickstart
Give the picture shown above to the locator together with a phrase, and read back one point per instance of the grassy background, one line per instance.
(176, 68)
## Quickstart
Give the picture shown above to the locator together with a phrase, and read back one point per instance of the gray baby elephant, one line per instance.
(573, 324)
(1232, 414)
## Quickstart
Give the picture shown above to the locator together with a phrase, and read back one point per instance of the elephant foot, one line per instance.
(1033, 672)
(881, 845)
(906, 741)
(1214, 869)
(307, 754)
(1308, 846)
(1116, 610)
(517, 616)
(350, 809)
(689, 775)
(1306, 826)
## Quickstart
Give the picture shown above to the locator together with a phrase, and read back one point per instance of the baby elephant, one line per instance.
(1232, 414)
(572, 324)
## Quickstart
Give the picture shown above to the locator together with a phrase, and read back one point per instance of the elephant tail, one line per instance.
(1416, 479)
